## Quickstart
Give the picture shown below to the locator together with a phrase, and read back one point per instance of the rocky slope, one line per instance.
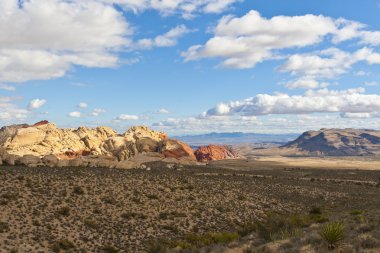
(45, 144)
(214, 152)
(337, 142)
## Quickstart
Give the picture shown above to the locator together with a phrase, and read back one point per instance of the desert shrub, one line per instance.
(200, 240)
(157, 247)
(245, 229)
(109, 249)
(333, 234)
(64, 211)
(357, 212)
(90, 223)
(63, 244)
(4, 227)
(109, 200)
(276, 227)
(315, 210)
(78, 190)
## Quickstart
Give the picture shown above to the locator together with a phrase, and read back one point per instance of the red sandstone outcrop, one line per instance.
(176, 149)
(214, 152)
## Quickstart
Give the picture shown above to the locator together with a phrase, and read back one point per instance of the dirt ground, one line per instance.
(110, 210)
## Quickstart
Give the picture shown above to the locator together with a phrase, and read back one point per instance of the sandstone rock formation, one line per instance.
(337, 142)
(45, 144)
(176, 149)
(214, 152)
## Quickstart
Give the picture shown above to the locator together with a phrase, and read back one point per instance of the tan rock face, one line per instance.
(214, 152)
(45, 144)
(176, 149)
(138, 132)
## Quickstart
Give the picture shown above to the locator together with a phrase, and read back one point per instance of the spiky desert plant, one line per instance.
(333, 234)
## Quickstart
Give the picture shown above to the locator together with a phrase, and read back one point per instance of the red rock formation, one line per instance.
(214, 152)
(41, 123)
(176, 149)
(69, 155)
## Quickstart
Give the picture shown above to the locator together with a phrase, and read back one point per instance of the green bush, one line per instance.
(333, 234)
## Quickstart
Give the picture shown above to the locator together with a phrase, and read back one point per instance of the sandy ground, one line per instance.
(361, 163)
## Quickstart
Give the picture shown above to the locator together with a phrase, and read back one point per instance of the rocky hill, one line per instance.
(44, 144)
(337, 142)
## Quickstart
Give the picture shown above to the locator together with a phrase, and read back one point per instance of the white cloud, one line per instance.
(328, 63)
(97, 111)
(245, 41)
(9, 112)
(242, 42)
(75, 114)
(163, 111)
(55, 35)
(168, 39)
(82, 105)
(371, 83)
(363, 115)
(193, 125)
(187, 8)
(127, 117)
(36, 104)
(320, 101)
(306, 83)
(7, 87)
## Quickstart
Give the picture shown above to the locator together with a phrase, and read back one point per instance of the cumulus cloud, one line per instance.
(36, 104)
(245, 41)
(55, 35)
(163, 111)
(168, 39)
(328, 63)
(320, 101)
(97, 111)
(127, 117)
(9, 111)
(82, 105)
(75, 114)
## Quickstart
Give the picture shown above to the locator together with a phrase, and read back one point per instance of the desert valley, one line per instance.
(94, 190)
(189, 126)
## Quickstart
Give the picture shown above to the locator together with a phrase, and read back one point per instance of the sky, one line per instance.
(191, 66)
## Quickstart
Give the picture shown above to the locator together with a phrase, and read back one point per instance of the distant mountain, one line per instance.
(337, 142)
(236, 138)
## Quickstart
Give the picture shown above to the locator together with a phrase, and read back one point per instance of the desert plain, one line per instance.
(259, 204)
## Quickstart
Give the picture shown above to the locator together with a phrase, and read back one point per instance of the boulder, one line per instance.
(215, 152)
(50, 160)
(146, 144)
(176, 149)
(29, 160)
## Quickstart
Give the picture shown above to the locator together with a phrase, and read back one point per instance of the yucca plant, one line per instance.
(333, 234)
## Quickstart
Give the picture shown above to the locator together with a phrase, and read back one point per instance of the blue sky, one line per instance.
(191, 66)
